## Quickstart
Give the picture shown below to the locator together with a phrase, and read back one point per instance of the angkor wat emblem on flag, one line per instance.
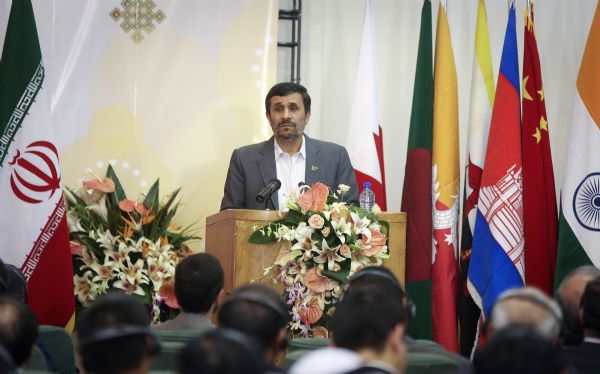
(137, 16)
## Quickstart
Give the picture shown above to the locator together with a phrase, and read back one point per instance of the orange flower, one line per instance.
(106, 185)
(167, 292)
(76, 247)
(315, 198)
(129, 206)
(320, 332)
(311, 312)
(318, 283)
(375, 245)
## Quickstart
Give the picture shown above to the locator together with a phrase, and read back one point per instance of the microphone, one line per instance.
(272, 186)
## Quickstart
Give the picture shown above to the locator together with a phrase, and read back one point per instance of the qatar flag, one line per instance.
(365, 137)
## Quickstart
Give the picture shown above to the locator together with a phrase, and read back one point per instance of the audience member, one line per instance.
(13, 282)
(328, 360)
(257, 311)
(199, 290)
(383, 279)
(518, 349)
(18, 329)
(221, 351)
(370, 323)
(586, 357)
(568, 296)
(527, 306)
(114, 337)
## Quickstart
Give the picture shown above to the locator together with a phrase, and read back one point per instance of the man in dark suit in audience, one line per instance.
(114, 338)
(257, 311)
(289, 156)
(568, 296)
(586, 357)
(370, 323)
(385, 280)
(199, 290)
(18, 330)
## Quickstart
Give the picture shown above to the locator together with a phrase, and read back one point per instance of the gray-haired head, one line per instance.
(569, 295)
(529, 307)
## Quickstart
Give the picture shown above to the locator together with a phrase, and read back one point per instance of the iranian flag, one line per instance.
(33, 220)
(445, 190)
(365, 137)
(579, 223)
(539, 199)
(416, 194)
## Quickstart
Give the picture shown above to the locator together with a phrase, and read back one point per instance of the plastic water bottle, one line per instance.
(366, 198)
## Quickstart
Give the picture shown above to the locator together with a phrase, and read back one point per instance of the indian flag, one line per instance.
(579, 223)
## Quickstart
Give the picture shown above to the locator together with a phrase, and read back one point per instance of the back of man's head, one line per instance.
(18, 329)
(198, 281)
(527, 306)
(518, 350)
(590, 305)
(12, 282)
(113, 335)
(364, 319)
(569, 295)
(256, 310)
(221, 351)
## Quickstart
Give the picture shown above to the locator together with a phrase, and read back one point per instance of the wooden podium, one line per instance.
(227, 234)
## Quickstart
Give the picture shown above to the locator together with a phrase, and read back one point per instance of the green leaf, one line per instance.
(119, 193)
(264, 235)
(341, 276)
(151, 200)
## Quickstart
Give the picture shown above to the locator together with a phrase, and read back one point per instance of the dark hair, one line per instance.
(518, 350)
(365, 317)
(383, 279)
(198, 280)
(590, 302)
(13, 282)
(285, 89)
(256, 310)
(113, 334)
(18, 329)
(221, 351)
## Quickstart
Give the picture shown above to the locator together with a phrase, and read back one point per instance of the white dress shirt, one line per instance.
(290, 170)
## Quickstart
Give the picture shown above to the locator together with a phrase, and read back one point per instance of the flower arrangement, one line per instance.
(125, 244)
(329, 241)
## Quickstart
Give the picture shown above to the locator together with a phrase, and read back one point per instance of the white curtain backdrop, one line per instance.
(169, 102)
(330, 42)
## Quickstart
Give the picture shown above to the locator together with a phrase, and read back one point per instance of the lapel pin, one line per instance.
(314, 168)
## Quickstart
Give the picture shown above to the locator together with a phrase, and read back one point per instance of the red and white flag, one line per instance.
(33, 221)
(365, 137)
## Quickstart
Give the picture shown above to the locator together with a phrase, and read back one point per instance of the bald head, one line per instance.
(528, 307)
(569, 295)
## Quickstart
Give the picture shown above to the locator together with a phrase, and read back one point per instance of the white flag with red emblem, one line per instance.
(33, 220)
(365, 137)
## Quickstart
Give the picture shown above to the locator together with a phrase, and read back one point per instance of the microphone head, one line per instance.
(276, 183)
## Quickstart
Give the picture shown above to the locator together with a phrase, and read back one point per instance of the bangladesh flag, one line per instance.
(579, 222)
(416, 194)
(33, 220)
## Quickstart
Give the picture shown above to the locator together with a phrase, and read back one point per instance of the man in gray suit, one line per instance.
(199, 290)
(289, 156)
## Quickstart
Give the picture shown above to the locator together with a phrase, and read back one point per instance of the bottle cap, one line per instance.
(366, 184)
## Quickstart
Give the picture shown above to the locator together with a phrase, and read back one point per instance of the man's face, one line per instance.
(287, 116)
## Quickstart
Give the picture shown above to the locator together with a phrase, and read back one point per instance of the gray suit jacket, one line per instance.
(253, 166)
(186, 321)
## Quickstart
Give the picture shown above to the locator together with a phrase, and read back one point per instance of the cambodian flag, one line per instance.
(497, 261)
